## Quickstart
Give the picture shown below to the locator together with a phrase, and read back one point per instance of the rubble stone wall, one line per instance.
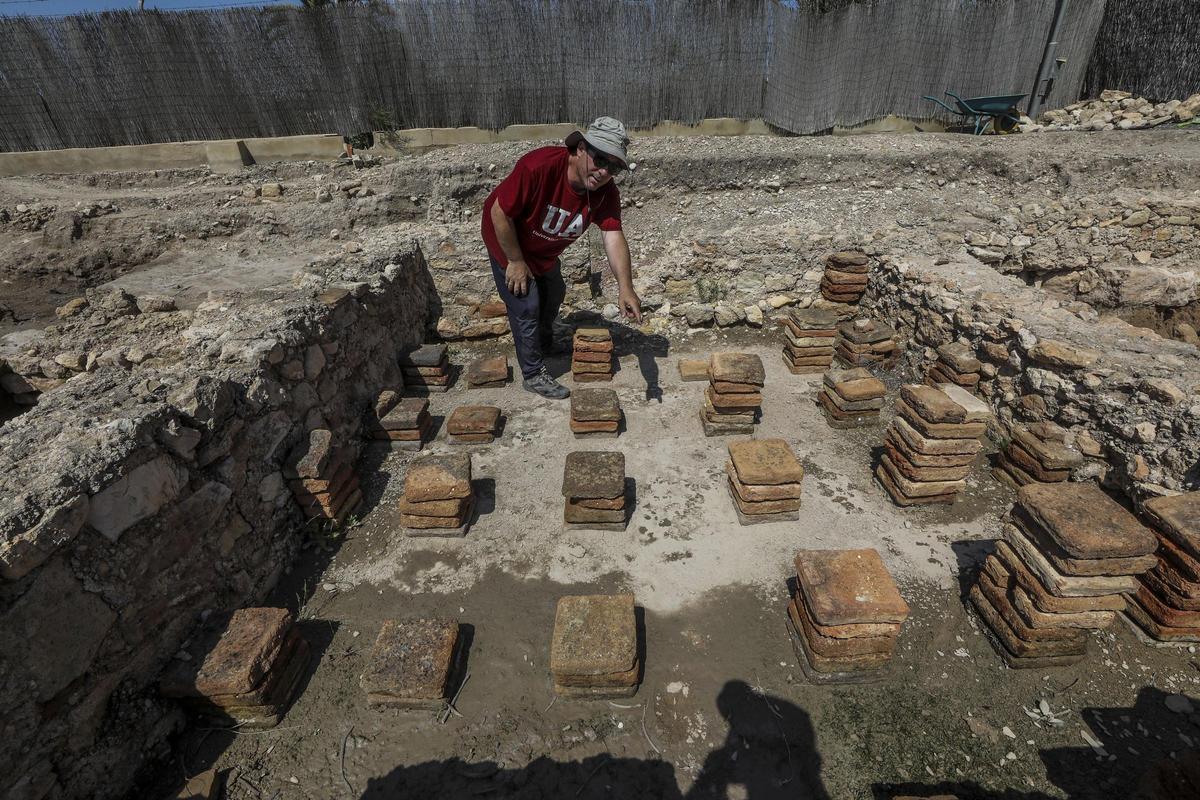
(147, 488)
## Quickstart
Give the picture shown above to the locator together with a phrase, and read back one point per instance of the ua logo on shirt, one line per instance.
(556, 218)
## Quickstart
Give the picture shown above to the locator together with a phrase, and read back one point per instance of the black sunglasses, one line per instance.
(610, 165)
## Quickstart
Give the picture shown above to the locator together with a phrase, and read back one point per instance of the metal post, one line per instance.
(1036, 96)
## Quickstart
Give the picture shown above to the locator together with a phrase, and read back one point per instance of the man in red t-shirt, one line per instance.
(547, 202)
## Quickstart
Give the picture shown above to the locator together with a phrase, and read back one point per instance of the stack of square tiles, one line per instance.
(1037, 453)
(809, 340)
(846, 276)
(764, 480)
(438, 500)
(593, 653)
(592, 359)
(426, 369)
(473, 425)
(403, 421)
(322, 479)
(733, 396)
(594, 491)
(484, 373)
(1067, 554)
(931, 444)
(243, 669)
(595, 413)
(956, 363)
(1166, 605)
(861, 342)
(845, 616)
(851, 398)
(412, 664)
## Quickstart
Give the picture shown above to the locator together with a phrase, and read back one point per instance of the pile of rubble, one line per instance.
(1114, 110)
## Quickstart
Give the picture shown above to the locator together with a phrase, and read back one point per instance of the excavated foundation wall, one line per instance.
(148, 489)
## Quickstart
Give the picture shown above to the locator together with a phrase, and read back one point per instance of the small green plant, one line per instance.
(710, 290)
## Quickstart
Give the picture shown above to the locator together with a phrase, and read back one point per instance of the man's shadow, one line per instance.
(770, 750)
(626, 341)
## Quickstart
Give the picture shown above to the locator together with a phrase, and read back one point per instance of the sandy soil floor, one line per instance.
(723, 710)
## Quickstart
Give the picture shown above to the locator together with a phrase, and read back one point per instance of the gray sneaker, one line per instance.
(541, 383)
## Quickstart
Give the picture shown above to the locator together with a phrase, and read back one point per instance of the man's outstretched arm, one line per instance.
(621, 264)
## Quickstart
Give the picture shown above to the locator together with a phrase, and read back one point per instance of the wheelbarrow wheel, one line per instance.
(1007, 122)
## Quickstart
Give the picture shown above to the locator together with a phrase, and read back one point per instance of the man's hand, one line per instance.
(517, 276)
(630, 305)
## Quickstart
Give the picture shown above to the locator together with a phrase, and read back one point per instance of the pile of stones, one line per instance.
(931, 444)
(1115, 110)
(473, 425)
(851, 398)
(322, 479)
(592, 356)
(845, 616)
(412, 664)
(861, 342)
(764, 480)
(1036, 453)
(1067, 554)
(809, 340)
(243, 668)
(403, 421)
(733, 397)
(846, 276)
(438, 499)
(486, 373)
(595, 413)
(594, 491)
(1166, 605)
(956, 363)
(594, 652)
(426, 368)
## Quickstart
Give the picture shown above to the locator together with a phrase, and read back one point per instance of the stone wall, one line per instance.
(1131, 398)
(145, 488)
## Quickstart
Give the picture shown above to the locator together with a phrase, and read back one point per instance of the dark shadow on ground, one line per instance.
(626, 341)
(769, 753)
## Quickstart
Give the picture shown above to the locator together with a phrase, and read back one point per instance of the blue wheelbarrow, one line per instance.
(1000, 110)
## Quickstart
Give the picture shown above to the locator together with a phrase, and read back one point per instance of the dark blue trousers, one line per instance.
(532, 316)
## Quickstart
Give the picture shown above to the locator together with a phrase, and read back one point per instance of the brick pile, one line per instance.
(595, 413)
(764, 480)
(473, 425)
(438, 499)
(1166, 605)
(592, 356)
(809, 335)
(412, 664)
(693, 369)
(956, 363)
(931, 444)
(484, 373)
(594, 491)
(846, 276)
(733, 397)
(845, 616)
(243, 670)
(322, 478)
(1067, 554)
(403, 421)
(861, 342)
(851, 398)
(1036, 453)
(594, 652)
(426, 369)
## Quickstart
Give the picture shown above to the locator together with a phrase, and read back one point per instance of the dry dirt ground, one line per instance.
(723, 710)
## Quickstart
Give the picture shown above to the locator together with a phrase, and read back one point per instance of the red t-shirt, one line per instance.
(547, 213)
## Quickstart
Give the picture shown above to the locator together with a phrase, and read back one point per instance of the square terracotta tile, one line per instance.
(594, 635)
(843, 587)
(1086, 522)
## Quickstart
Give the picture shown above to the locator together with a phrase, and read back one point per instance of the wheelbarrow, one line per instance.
(1000, 110)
